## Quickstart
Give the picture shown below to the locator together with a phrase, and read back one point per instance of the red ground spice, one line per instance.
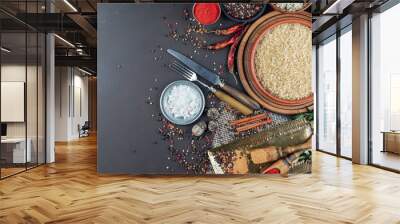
(206, 13)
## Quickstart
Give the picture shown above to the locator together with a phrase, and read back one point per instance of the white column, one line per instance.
(314, 88)
(360, 90)
(63, 98)
(50, 110)
(50, 93)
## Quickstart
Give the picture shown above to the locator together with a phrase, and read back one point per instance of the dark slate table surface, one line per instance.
(132, 68)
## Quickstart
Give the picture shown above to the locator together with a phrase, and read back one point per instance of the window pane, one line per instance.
(346, 94)
(15, 150)
(385, 84)
(327, 96)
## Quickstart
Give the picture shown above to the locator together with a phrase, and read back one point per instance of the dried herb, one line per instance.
(309, 116)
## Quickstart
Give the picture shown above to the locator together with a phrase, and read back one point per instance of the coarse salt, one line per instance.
(183, 102)
(289, 7)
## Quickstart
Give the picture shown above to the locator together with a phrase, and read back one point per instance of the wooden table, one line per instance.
(14, 150)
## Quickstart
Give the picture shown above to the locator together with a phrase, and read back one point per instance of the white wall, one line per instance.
(80, 111)
(62, 82)
(16, 73)
(33, 127)
(71, 102)
(12, 73)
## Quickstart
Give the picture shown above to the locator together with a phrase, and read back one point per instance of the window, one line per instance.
(334, 106)
(346, 75)
(385, 89)
(327, 96)
(22, 101)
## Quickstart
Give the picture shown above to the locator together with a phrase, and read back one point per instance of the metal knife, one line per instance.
(214, 79)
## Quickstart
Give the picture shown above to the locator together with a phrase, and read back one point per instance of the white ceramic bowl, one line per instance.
(180, 120)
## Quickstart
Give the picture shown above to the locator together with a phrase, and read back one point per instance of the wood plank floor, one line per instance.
(387, 159)
(5, 172)
(70, 191)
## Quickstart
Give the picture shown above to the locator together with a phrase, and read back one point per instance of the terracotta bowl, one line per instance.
(250, 58)
(250, 39)
(243, 66)
(246, 65)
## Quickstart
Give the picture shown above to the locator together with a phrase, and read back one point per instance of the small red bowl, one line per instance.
(206, 13)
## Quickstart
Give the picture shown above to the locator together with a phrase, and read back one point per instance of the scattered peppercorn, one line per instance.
(242, 11)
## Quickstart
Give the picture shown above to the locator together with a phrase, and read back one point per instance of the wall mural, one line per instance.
(237, 95)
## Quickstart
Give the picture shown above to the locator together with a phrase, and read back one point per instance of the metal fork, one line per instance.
(189, 74)
(192, 76)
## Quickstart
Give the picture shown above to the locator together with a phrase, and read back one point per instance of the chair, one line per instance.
(84, 130)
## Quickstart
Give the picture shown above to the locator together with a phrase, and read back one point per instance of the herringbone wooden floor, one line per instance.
(70, 191)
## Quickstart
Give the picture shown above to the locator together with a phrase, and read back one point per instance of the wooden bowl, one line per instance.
(264, 102)
(250, 59)
(246, 64)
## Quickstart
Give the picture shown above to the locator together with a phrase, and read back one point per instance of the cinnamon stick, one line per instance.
(253, 125)
(249, 119)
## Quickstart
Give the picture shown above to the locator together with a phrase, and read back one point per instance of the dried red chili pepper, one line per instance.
(232, 51)
(231, 56)
(229, 30)
(222, 44)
